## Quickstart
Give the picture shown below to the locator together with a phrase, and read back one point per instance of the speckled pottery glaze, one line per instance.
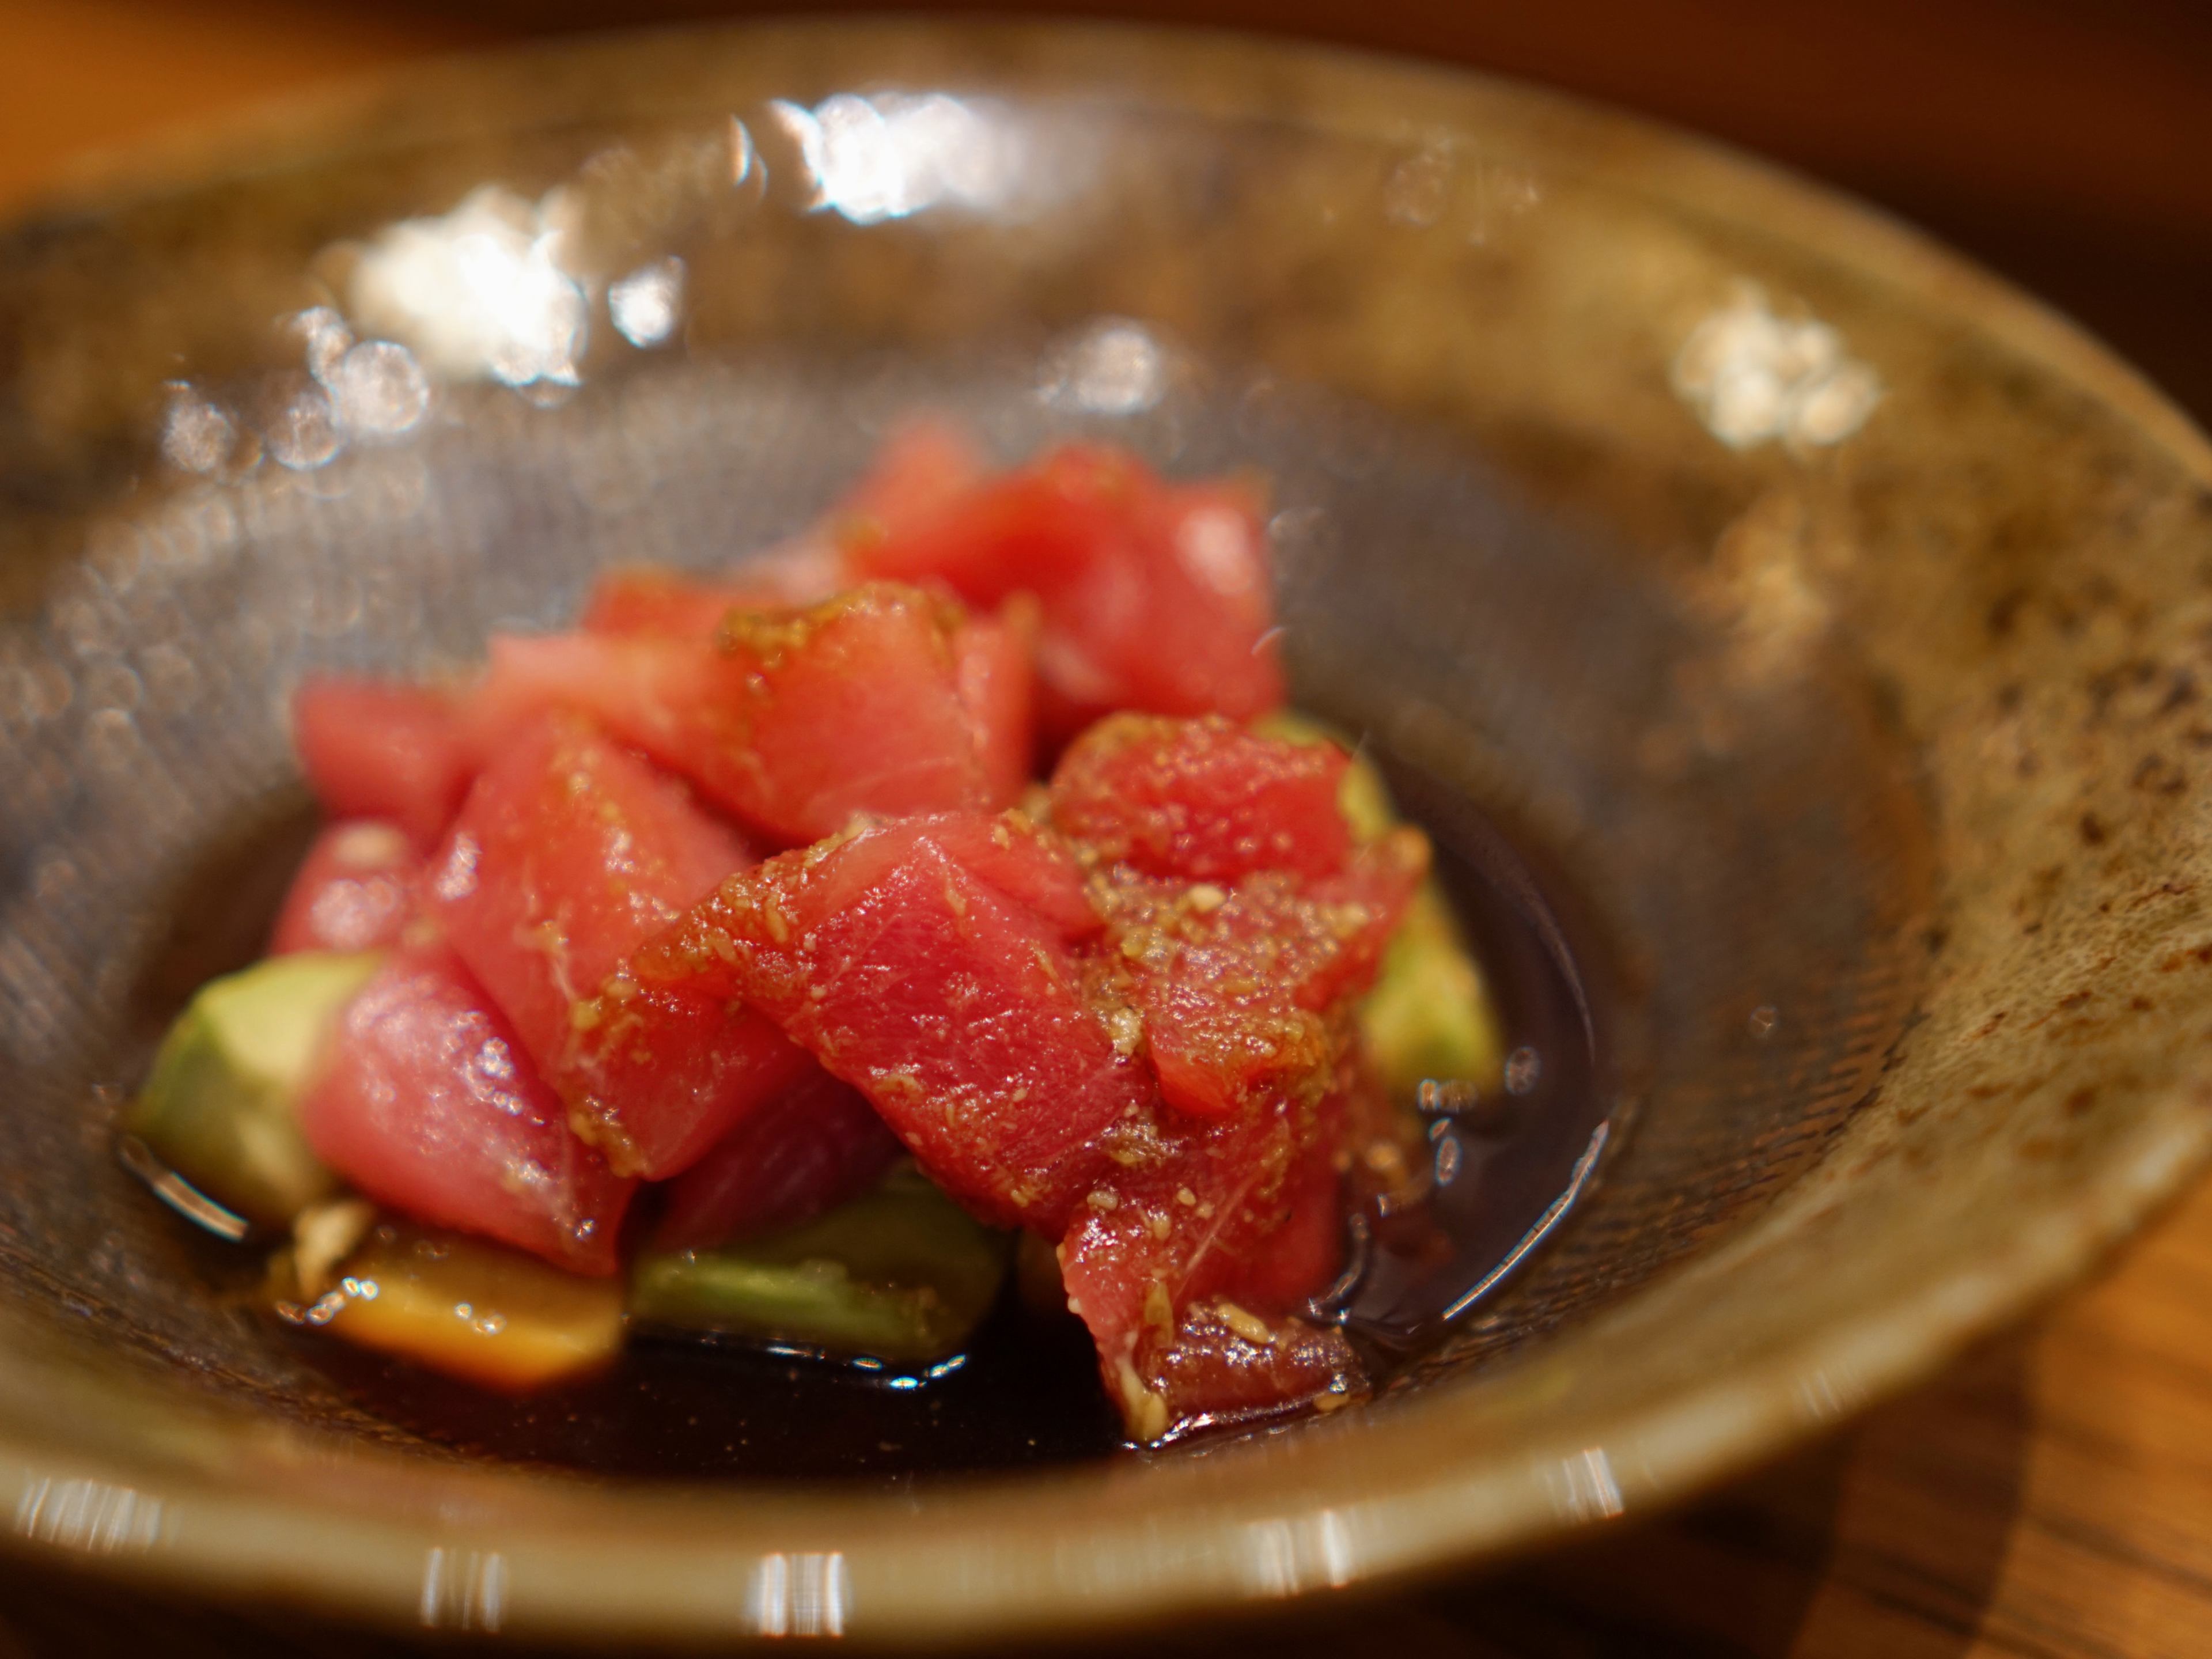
(1833, 621)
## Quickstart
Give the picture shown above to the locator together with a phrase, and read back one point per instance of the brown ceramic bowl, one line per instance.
(1832, 621)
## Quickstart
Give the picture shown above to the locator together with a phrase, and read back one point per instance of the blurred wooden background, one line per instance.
(2052, 1497)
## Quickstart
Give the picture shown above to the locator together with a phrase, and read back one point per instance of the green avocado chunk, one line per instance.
(900, 1274)
(219, 1108)
(1429, 1014)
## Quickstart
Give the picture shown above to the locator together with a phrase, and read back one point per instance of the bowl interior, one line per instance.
(1819, 623)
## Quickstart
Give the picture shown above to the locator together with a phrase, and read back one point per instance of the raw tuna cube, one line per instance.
(1153, 598)
(1191, 1209)
(372, 750)
(1236, 986)
(992, 655)
(1190, 1268)
(1241, 922)
(1207, 641)
(1009, 854)
(355, 891)
(663, 1073)
(809, 1150)
(861, 710)
(569, 854)
(427, 1102)
(926, 961)
(1206, 800)
(794, 721)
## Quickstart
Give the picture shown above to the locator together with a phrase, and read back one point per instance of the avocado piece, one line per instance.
(219, 1107)
(467, 1307)
(1429, 1014)
(900, 1274)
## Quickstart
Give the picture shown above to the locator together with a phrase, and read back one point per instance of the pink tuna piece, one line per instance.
(425, 1101)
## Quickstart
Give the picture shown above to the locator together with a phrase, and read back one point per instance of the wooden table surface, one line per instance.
(2049, 1496)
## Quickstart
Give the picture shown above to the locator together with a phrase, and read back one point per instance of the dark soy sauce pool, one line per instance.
(1506, 1168)
(1028, 1394)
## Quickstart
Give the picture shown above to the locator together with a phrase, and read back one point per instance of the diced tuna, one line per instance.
(1150, 1069)
(355, 891)
(795, 721)
(1241, 923)
(568, 854)
(1153, 598)
(664, 1073)
(927, 962)
(1192, 1261)
(1205, 800)
(374, 749)
(425, 1101)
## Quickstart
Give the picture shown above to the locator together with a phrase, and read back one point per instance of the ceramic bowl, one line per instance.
(1831, 624)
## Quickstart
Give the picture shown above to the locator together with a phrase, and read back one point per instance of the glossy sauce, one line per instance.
(1506, 1170)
